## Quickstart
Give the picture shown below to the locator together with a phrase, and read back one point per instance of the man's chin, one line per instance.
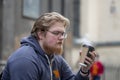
(58, 50)
(59, 46)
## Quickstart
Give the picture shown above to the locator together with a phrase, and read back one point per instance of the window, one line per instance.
(31, 8)
(76, 23)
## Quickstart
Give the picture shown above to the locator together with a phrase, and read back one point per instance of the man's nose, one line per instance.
(62, 37)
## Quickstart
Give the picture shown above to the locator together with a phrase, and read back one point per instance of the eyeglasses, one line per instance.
(58, 33)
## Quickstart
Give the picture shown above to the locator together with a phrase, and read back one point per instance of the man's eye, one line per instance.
(56, 33)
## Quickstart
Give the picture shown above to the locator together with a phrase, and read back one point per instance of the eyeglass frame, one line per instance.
(58, 33)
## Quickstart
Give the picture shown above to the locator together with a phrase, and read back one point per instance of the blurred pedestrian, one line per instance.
(97, 69)
(39, 57)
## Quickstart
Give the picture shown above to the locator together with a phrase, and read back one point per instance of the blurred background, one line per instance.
(94, 20)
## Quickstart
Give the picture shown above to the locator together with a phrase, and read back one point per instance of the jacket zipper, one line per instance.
(50, 66)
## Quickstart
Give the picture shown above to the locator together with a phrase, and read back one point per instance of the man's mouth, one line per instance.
(60, 43)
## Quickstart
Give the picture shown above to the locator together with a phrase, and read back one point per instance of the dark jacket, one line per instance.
(30, 62)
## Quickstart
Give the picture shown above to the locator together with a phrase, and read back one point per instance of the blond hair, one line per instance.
(45, 21)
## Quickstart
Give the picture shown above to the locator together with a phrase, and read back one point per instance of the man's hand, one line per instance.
(88, 61)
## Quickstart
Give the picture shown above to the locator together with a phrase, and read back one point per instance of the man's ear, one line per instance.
(40, 35)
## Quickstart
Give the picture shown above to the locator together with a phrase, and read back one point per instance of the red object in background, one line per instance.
(97, 68)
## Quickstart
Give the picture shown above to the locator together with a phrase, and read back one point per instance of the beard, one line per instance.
(52, 49)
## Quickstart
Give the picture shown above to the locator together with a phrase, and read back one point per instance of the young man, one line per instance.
(39, 57)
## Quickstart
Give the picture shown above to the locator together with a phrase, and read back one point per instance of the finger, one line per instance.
(93, 55)
(80, 52)
(89, 61)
